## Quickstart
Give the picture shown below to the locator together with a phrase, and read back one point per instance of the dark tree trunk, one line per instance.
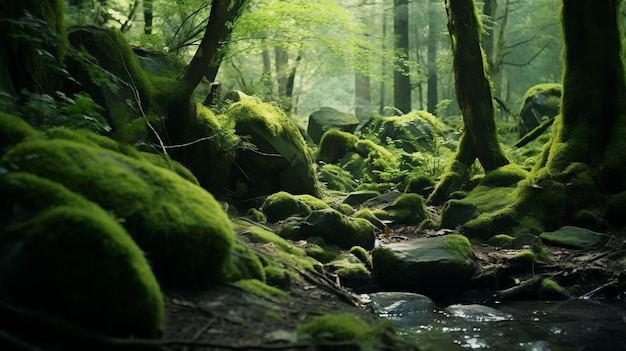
(401, 81)
(207, 50)
(489, 10)
(473, 89)
(281, 58)
(363, 96)
(147, 16)
(433, 36)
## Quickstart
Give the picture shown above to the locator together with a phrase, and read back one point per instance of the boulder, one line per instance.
(573, 238)
(438, 265)
(180, 226)
(403, 308)
(332, 226)
(540, 103)
(281, 205)
(405, 209)
(280, 159)
(80, 263)
(327, 118)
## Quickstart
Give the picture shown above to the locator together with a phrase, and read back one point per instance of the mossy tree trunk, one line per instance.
(475, 97)
(401, 81)
(433, 40)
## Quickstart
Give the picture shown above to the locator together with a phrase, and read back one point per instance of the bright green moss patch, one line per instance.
(281, 205)
(181, 227)
(406, 209)
(334, 327)
(451, 180)
(81, 266)
(13, 130)
(526, 256)
(362, 255)
(243, 264)
(258, 234)
(336, 178)
(319, 250)
(349, 267)
(335, 144)
(259, 288)
(368, 215)
(501, 240)
(504, 176)
(481, 200)
(548, 288)
(419, 184)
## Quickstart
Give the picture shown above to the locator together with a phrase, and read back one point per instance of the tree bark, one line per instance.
(401, 81)
(433, 36)
(488, 39)
(147, 16)
(362, 96)
(208, 46)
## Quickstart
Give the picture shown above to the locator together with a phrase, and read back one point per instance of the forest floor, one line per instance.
(230, 318)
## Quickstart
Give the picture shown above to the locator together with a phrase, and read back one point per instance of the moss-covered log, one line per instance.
(474, 93)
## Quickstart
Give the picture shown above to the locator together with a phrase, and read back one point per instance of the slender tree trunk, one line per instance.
(268, 82)
(433, 36)
(147, 16)
(383, 89)
(401, 81)
(497, 57)
(208, 46)
(489, 10)
(362, 96)
(281, 59)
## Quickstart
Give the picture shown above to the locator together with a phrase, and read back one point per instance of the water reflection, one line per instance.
(539, 326)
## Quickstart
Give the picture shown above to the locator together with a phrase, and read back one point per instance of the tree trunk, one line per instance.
(281, 58)
(147, 16)
(488, 39)
(362, 96)
(473, 89)
(433, 35)
(268, 82)
(401, 81)
(208, 46)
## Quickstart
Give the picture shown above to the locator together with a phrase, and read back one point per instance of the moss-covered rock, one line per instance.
(327, 119)
(349, 268)
(334, 228)
(280, 161)
(480, 200)
(337, 178)
(441, 265)
(540, 102)
(406, 209)
(181, 227)
(259, 288)
(415, 131)
(550, 289)
(243, 264)
(334, 327)
(335, 144)
(356, 198)
(257, 234)
(282, 204)
(13, 130)
(368, 215)
(317, 248)
(419, 184)
(58, 239)
(574, 237)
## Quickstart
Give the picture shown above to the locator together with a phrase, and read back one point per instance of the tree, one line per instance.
(401, 81)
(473, 88)
(433, 36)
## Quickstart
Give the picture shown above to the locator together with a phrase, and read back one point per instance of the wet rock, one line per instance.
(573, 238)
(404, 309)
(439, 265)
(477, 313)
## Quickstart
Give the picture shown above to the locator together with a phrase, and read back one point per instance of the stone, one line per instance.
(327, 118)
(438, 265)
(573, 238)
(541, 102)
(477, 313)
(403, 308)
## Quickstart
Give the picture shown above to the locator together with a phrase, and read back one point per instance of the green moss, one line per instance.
(368, 215)
(358, 197)
(181, 227)
(501, 240)
(319, 250)
(258, 234)
(377, 156)
(451, 180)
(336, 178)
(277, 276)
(526, 256)
(504, 176)
(60, 249)
(256, 215)
(482, 201)
(345, 209)
(406, 209)
(243, 264)
(259, 288)
(335, 144)
(13, 130)
(459, 246)
(549, 288)
(334, 327)
(281, 205)
(169, 164)
(344, 267)
(419, 184)
(362, 255)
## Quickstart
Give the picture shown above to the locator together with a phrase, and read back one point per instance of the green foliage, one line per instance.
(337, 327)
(13, 130)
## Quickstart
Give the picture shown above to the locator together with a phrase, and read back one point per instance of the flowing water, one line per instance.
(534, 325)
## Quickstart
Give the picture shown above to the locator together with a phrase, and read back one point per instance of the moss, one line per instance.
(377, 156)
(181, 227)
(362, 255)
(345, 209)
(335, 144)
(258, 234)
(550, 289)
(482, 201)
(588, 219)
(381, 187)
(243, 264)
(368, 215)
(501, 240)
(281, 205)
(337, 178)
(358, 197)
(334, 327)
(319, 250)
(277, 277)
(526, 256)
(259, 288)
(60, 249)
(504, 176)
(406, 209)
(13, 130)
(419, 184)
(169, 164)
(256, 215)
(459, 246)
(345, 267)
(451, 180)
(339, 229)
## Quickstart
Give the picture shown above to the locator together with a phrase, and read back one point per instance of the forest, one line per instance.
(312, 175)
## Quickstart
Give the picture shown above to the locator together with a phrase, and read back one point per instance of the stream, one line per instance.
(527, 325)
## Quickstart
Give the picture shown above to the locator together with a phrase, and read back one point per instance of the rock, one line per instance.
(281, 160)
(13, 130)
(440, 265)
(477, 313)
(65, 256)
(405, 209)
(541, 102)
(327, 118)
(356, 198)
(332, 226)
(335, 144)
(573, 238)
(182, 228)
(281, 205)
(404, 309)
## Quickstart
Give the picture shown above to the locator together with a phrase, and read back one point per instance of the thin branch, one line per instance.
(529, 60)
